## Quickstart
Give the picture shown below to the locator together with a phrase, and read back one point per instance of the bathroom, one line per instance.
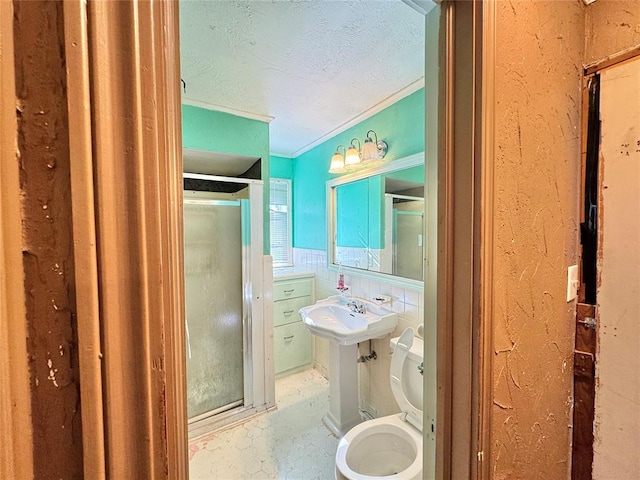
(282, 365)
(114, 133)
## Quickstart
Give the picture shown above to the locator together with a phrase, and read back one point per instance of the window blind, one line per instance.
(280, 221)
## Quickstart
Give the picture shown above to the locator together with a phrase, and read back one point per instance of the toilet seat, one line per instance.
(395, 431)
(413, 414)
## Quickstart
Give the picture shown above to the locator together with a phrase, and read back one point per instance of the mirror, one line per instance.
(376, 219)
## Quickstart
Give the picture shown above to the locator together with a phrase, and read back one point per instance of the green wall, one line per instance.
(401, 125)
(221, 132)
(225, 133)
(281, 167)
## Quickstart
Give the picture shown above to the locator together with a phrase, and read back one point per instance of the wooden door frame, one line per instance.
(465, 146)
(484, 297)
(16, 456)
(465, 240)
(112, 144)
(126, 194)
(137, 156)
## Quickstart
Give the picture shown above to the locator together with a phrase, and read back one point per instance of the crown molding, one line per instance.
(280, 154)
(232, 111)
(422, 6)
(390, 100)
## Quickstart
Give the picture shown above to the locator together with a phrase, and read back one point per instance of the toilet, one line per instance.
(390, 447)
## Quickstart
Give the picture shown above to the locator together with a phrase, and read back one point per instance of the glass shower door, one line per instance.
(408, 230)
(214, 306)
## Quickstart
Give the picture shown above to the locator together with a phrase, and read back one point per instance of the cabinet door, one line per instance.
(292, 343)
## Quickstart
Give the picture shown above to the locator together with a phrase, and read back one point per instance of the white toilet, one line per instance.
(390, 447)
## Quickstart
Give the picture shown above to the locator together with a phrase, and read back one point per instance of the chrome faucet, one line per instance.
(356, 306)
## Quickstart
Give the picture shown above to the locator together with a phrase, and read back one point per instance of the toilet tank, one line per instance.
(412, 379)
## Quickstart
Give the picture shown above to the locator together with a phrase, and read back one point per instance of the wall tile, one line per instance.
(412, 297)
(398, 294)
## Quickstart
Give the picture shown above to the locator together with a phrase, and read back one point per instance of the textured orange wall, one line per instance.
(610, 27)
(539, 58)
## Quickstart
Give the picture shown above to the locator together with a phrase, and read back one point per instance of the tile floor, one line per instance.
(288, 443)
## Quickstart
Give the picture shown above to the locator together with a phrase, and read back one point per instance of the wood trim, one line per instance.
(460, 248)
(434, 135)
(445, 255)
(487, 208)
(464, 254)
(138, 165)
(16, 454)
(168, 71)
(612, 60)
(84, 238)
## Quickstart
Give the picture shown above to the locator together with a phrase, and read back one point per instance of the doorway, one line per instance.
(146, 405)
(606, 418)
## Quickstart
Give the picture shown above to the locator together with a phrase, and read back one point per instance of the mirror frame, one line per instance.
(383, 168)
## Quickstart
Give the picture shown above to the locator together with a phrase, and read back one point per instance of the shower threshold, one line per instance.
(224, 417)
(217, 411)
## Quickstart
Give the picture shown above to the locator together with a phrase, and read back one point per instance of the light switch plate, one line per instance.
(572, 282)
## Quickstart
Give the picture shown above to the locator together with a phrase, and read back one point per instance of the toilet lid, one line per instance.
(413, 413)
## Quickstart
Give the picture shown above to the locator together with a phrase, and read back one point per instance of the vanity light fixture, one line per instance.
(337, 161)
(372, 151)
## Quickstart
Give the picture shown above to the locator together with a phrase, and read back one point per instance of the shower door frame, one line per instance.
(196, 197)
(256, 373)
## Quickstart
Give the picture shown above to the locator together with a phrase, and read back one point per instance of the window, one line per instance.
(280, 220)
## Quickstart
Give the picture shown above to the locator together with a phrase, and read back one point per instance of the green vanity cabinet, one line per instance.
(291, 338)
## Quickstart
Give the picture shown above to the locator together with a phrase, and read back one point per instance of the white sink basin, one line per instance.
(334, 319)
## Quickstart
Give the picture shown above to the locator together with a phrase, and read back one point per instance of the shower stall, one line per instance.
(227, 375)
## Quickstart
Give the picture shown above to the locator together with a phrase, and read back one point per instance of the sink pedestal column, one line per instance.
(343, 389)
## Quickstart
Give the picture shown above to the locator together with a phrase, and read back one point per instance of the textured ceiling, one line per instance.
(311, 65)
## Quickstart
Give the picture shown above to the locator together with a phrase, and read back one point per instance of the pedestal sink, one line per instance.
(346, 321)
